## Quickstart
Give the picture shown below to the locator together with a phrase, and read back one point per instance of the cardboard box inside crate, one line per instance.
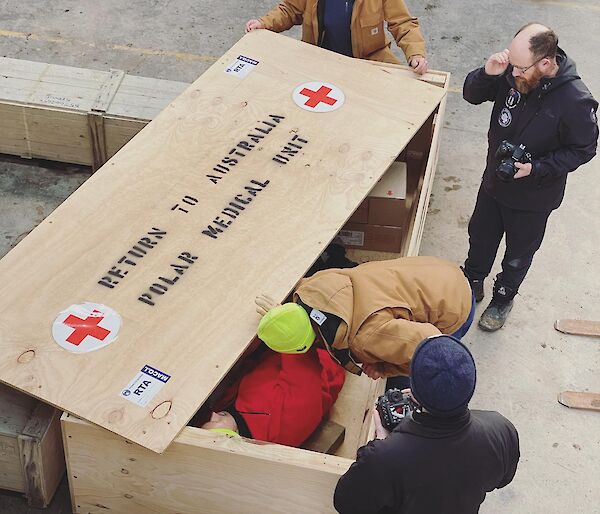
(378, 238)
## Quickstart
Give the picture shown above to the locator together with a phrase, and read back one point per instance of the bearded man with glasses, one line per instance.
(543, 126)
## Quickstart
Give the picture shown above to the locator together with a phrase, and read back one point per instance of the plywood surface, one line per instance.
(197, 328)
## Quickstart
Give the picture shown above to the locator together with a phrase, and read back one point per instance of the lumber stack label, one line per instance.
(132, 300)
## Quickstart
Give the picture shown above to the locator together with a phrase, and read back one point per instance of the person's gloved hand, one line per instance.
(264, 303)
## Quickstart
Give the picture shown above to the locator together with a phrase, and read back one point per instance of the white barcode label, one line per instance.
(241, 67)
(352, 237)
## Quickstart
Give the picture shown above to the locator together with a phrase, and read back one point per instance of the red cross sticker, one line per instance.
(86, 327)
(318, 97)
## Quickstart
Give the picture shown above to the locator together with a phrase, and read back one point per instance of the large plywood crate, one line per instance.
(139, 460)
(202, 473)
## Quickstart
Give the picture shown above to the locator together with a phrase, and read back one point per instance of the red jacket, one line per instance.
(285, 397)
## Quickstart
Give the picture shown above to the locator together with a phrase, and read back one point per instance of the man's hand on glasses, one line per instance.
(497, 63)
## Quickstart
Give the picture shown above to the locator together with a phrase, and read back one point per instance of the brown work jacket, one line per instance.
(367, 27)
(388, 307)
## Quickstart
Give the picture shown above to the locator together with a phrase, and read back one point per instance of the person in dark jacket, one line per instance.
(540, 102)
(441, 459)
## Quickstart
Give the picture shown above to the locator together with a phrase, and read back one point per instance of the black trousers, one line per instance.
(524, 232)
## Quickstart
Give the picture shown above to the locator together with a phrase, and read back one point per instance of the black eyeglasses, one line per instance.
(523, 69)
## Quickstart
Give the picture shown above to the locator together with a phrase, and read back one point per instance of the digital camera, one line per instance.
(393, 406)
(509, 154)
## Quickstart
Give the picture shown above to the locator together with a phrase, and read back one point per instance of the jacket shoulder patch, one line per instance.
(505, 118)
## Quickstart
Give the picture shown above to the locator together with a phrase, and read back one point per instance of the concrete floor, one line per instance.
(523, 366)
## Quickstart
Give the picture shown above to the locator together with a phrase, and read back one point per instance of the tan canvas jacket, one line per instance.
(367, 27)
(388, 307)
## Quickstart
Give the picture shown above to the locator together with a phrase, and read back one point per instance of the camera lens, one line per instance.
(395, 396)
(506, 170)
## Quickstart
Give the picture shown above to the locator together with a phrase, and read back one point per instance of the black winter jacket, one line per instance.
(556, 122)
(431, 466)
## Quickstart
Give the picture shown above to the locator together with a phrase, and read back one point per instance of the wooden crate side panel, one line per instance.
(32, 469)
(53, 455)
(58, 135)
(15, 410)
(42, 132)
(42, 457)
(11, 470)
(425, 194)
(350, 411)
(200, 473)
(13, 133)
(119, 131)
(367, 429)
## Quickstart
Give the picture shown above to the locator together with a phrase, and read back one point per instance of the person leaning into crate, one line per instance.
(372, 317)
(352, 28)
(279, 398)
(440, 456)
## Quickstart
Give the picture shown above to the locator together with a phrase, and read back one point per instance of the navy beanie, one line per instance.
(442, 376)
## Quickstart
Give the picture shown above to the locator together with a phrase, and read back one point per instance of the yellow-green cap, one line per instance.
(287, 329)
(226, 431)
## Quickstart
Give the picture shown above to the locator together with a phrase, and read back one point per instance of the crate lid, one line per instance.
(132, 300)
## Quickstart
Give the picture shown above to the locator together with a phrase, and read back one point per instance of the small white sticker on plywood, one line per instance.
(318, 97)
(145, 386)
(86, 327)
(241, 67)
